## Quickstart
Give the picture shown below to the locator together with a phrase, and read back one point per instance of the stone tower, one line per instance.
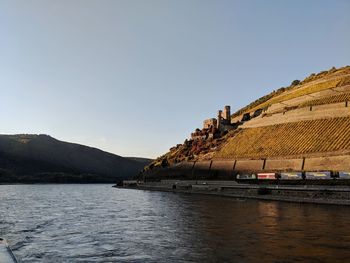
(227, 114)
(219, 119)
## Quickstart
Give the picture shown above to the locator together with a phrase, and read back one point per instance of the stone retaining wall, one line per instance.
(284, 164)
(223, 169)
(180, 170)
(303, 114)
(301, 99)
(202, 169)
(343, 88)
(220, 169)
(337, 163)
(249, 165)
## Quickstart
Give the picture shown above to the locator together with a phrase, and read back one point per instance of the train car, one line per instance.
(318, 175)
(344, 175)
(291, 176)
(268, 176)
(246, 176)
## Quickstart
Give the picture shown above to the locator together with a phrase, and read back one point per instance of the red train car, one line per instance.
(267, 176)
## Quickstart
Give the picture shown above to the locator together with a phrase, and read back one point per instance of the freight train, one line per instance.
(294, 176)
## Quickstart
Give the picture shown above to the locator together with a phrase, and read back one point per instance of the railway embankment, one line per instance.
(229, 169)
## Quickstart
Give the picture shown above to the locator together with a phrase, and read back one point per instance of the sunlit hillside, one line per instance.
(314, 83)
(289, 139)
(309, 118)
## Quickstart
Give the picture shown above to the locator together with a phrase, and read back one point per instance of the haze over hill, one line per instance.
(41, 158)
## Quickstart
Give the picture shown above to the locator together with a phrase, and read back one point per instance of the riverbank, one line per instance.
(316, 194)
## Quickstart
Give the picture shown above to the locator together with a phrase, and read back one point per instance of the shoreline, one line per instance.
(52, 183)
(324, 195)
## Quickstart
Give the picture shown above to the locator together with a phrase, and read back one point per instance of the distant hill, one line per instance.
(27, 158)
(145, 161)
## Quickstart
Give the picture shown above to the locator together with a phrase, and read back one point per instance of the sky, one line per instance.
(136, 77)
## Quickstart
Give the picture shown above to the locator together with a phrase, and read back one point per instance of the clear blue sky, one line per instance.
(136, 77)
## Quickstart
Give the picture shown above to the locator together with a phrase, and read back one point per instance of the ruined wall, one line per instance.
(227, 113)
(237, 118)
(209, 123)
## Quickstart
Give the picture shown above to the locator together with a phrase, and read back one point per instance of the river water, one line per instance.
(98, 223)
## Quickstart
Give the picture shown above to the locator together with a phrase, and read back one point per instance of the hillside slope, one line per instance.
(41, 158)
(290, 139)
(308, 119)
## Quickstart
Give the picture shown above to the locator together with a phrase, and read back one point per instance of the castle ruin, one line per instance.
(213, 126)
(222, 122)
(224, 119)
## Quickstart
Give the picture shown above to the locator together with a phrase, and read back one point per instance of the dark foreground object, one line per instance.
(6, 255)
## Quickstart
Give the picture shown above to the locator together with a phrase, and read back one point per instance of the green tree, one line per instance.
(295, 82)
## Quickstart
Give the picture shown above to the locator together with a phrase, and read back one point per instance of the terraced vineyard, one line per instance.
(304, 137)
(300, 91)
(314, 83)
(327, 100)
(304, 89)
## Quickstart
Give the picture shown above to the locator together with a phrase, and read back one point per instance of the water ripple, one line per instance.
(96, 223)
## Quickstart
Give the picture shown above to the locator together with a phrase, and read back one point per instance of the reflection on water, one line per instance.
(97, 223)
